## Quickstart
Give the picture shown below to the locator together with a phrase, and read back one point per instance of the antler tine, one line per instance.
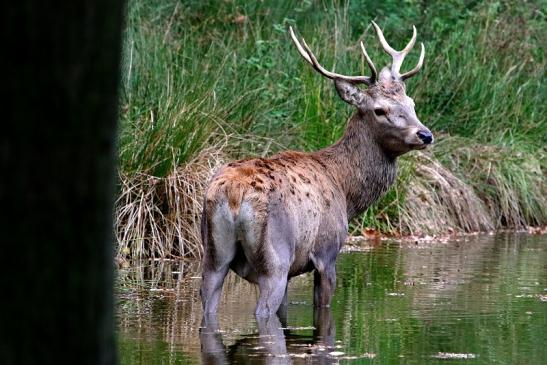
(385, 45)
(410, 44)
(316, 65)
(299, 46)
(397, 56)
(308, 55)
(370, 64)
(415, 70)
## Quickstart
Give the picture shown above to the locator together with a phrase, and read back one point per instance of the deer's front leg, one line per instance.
(324, 331)
(272, 339)
(212, 347)
(324, 282)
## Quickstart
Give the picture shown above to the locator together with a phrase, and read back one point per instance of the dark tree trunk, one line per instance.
(57, 148)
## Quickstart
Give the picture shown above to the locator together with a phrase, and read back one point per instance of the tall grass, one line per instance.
(197, 74)
(486, 79)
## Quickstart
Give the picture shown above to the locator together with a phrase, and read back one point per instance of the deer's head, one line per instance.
(384, 106)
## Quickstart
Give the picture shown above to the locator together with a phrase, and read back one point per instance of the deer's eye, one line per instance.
(379, 112)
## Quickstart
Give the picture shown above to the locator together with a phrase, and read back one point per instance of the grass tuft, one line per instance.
(159, 217)
(437, 200)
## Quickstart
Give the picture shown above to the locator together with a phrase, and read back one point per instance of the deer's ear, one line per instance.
(350, 93)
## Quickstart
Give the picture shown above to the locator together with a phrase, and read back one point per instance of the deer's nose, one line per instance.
(425, 136)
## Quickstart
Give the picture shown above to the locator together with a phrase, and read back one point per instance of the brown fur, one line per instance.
(257, 179)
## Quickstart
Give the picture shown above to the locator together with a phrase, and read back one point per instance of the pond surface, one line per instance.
(478, 300)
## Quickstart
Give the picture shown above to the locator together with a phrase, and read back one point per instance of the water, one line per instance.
(480, 300)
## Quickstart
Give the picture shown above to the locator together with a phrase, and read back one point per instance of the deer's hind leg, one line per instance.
(272, 291)
(219, 244)
(272, 263)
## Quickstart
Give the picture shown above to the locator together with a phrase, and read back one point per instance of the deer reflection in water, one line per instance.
(273, 344)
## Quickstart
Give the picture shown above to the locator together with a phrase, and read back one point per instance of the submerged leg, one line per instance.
(272, 291)
(324, 282)
(212, 347)
(211, 288)
(323, 322)
(272, 338)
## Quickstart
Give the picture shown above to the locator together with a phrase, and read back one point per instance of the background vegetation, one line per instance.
(208, 81)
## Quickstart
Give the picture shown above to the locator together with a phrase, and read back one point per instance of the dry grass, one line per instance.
(510, 182)
(159, 217)
(469, 187)
(436, 200)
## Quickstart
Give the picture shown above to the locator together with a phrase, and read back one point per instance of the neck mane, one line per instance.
(360, 166)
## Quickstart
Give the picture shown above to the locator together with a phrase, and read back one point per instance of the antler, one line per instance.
(399, 56)
(370, 64)
(308, 55)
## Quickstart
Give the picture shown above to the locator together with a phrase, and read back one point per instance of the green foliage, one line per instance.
(485, 78)
(198, 71)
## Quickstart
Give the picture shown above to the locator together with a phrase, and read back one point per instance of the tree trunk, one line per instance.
(57, 148)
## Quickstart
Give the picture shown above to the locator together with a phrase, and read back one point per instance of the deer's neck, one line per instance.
(360, 166)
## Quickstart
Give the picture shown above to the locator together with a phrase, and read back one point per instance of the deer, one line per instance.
(271, 219)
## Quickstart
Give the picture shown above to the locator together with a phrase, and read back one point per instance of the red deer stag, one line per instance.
(272, 219)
